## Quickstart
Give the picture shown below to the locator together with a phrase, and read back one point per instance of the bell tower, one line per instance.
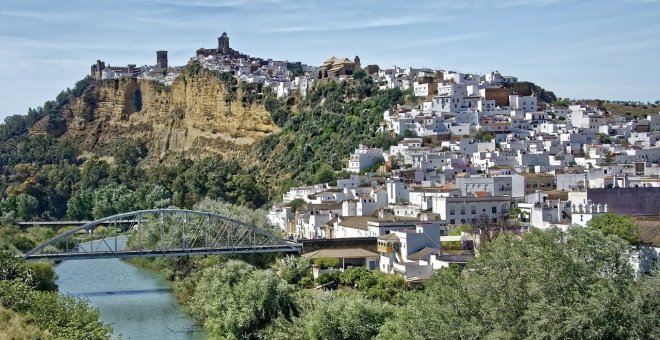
(223, 43)
(161, 59)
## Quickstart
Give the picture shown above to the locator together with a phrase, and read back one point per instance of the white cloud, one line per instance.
(355, 24)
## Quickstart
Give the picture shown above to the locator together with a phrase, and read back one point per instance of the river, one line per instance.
(137, 302)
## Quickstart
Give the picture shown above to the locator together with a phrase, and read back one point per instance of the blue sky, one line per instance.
(576, 48)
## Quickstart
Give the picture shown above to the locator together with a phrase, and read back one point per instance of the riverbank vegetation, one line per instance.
(544, 284)
(31, 308)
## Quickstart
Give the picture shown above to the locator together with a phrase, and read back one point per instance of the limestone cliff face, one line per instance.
(197, 115)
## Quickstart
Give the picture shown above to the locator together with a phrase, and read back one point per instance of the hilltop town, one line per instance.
(476, 153)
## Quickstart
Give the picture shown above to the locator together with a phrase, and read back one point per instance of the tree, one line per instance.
(112, 199)
(608, 158)
(26, 206)
(292, 269)
(359, 74)
(547, 284)
(326, 262)
(483, 137)
(235, 301)
(604, 138)
(295, 204)
(346, 317)
(614, 224)
(409, 133)
(487, 230)
(80, 206)
(324, 174)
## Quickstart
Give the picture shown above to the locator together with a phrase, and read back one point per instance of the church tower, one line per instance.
(357, 62)
(161, 59)
(223, 43)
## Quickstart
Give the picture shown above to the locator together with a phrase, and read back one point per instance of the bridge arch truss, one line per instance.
(160, 232)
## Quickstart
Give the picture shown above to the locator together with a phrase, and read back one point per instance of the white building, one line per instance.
(458, 210)
(363, 158)
(409, 253)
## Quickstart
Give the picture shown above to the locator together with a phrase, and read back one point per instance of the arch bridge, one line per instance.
(158, 233)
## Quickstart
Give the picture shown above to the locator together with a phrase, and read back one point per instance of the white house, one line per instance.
(363, 158)
(458, 210)
(409, 253)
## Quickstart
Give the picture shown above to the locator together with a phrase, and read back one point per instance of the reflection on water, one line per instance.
(137, 303)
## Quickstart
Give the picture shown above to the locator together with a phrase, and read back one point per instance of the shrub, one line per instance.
(326, 262)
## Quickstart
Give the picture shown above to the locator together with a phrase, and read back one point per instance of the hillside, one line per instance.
(201, 114)
(126, 144)
(631, 109)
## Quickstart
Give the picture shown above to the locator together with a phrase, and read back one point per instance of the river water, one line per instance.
(137, 302)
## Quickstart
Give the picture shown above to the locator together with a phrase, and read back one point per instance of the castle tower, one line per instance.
(223, 43)
(161, 59)
(357, 62)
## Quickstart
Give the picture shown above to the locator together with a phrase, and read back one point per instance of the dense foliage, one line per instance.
(31, 307)
(36, 188)
(329, 123)
(615, 224)
(545, 285)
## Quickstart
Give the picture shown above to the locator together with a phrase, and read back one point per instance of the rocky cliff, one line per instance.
(199, 114)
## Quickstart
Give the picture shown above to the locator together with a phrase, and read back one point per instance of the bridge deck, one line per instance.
(167, 252)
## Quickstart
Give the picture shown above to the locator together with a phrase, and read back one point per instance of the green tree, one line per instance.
(43, 274)
(483, 137)
(80, 206)
(130, 151)
(346, 317)
(543, 285)
(292, 269)
(359, 74)
(95, 173)
(324, 174)
(112, 199)
(604, 138)
(614, 224)
(235, 301)
(608, 158)
(326, 262)
(409, 133)
(295, 204)
(26, 206)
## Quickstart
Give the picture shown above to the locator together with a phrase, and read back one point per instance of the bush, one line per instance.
(23, 243)
(326, 278)
(306, 282)
(326, 262)
(351, 277)
(292, 269)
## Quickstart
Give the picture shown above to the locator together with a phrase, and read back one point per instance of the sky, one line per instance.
(603, 49)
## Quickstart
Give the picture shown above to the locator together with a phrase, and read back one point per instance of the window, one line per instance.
(452, 221)
(494, 210)
(452, 211)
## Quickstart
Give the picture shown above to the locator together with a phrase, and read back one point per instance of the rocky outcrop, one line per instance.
(198, 115)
